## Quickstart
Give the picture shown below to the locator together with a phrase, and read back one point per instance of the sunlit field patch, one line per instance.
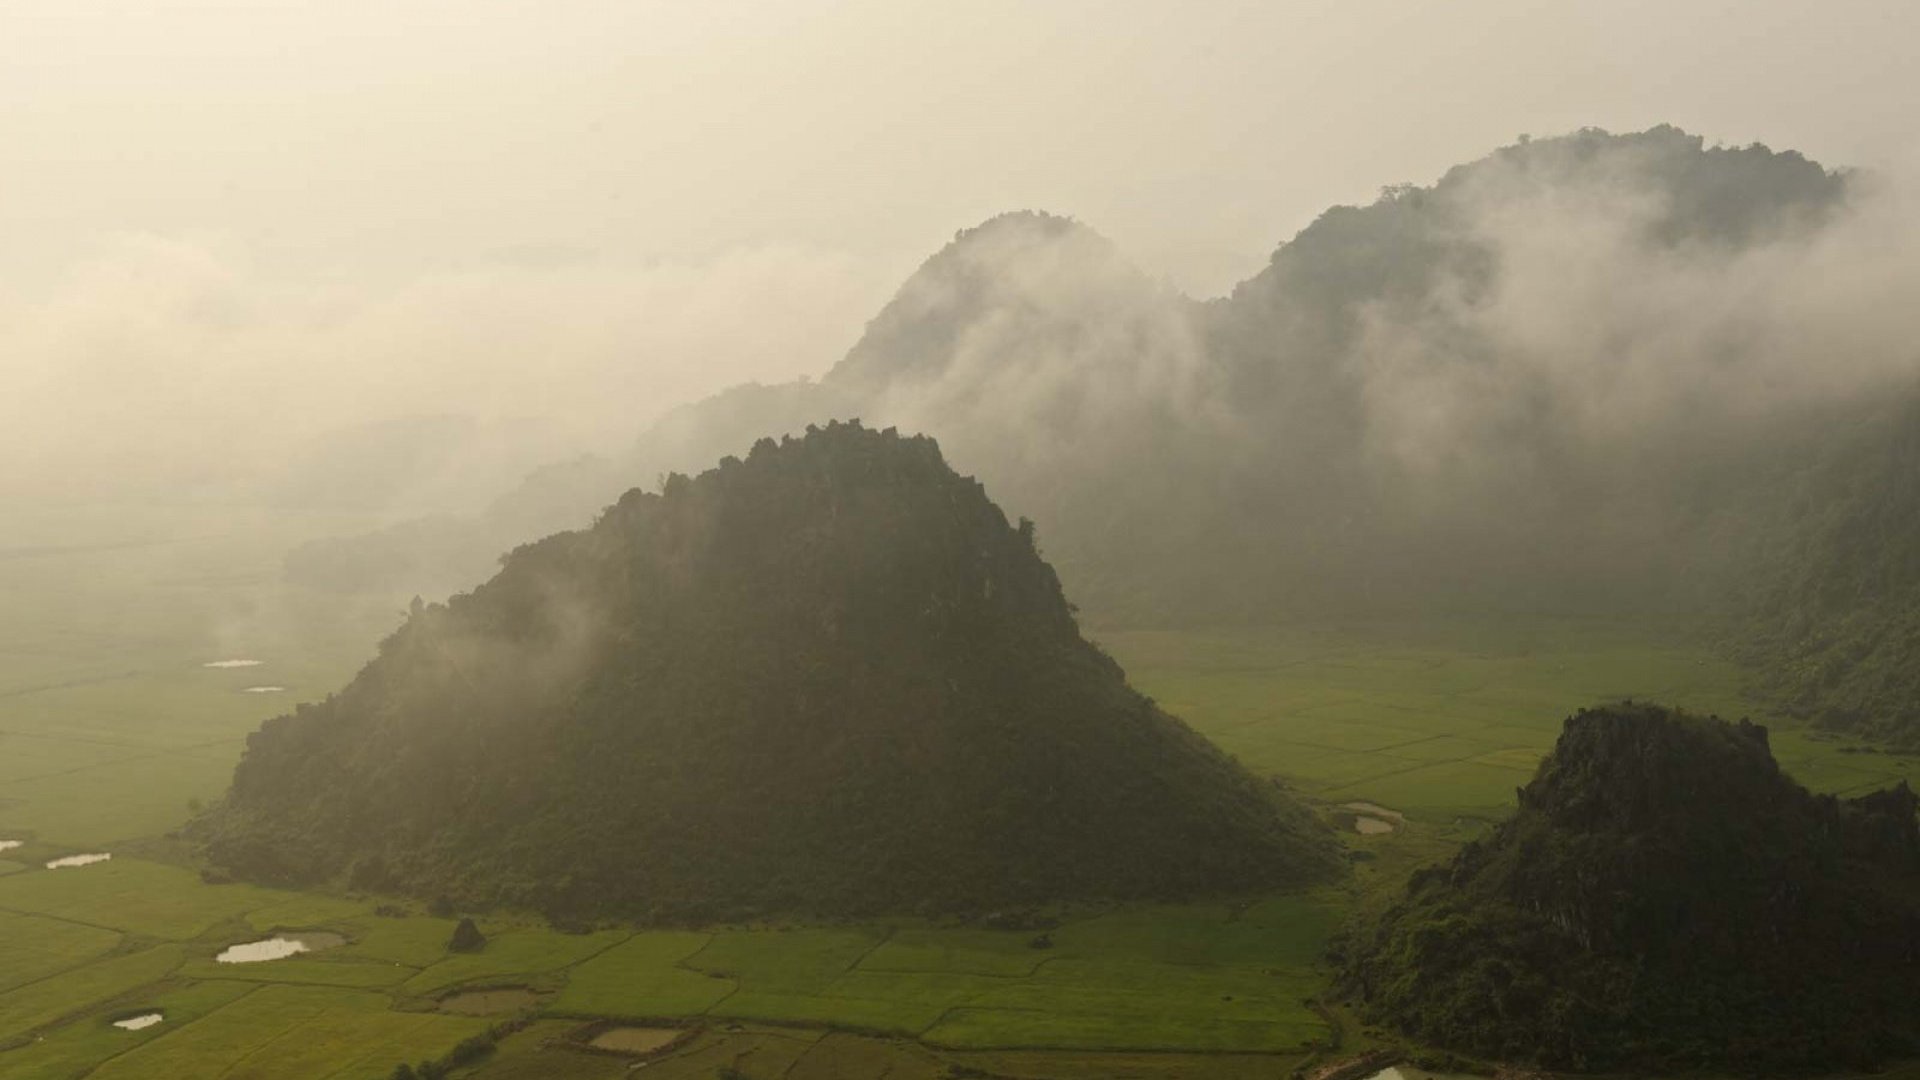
(1444, 718)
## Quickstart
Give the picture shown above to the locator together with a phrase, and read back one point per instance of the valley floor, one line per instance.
(112, 728)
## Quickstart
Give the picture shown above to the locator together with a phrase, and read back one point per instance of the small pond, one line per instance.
(139, 1023)
(634, 1040)
(279, 947)
(489, 1002)
(1408, 1072)
(231, 663)
(78, 860)
(1372, 819)
(262, 689)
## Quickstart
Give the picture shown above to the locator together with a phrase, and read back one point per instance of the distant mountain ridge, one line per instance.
(1562, 378)
(1151, 434)
(828, 679)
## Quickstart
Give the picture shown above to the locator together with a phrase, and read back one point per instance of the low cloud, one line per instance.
(161, 360)
(1595, 333)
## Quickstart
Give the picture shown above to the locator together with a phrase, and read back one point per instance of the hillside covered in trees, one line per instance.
(1833, 625)
(1664, 898)
(830, 678)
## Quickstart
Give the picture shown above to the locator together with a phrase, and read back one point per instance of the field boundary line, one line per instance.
(13, 733)
(425, 1021)
(682, 964)
(1416, 767)
(605, 949)
(291, 1029)
(78, 922)
(81, 966)
(72, 684)
(171, 1032)
(870, 950)
(88, 767)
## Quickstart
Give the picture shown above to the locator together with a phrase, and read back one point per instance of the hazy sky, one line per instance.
(350, 202)
(401, 135)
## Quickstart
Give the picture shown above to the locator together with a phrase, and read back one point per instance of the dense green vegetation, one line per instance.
(834, 679)
(100, 673)
(830, 678)
(1664, 897)
(1833, 624)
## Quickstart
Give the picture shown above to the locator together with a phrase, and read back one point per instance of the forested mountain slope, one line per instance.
(830, 678)
(1833, 624)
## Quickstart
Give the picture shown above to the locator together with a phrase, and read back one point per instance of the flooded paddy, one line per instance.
(139, 1023)
(1408, 1072)
(232, 663)
(489, 1002)
(78, 860)
(279, 947)
(1372, 819)
(635, 1040)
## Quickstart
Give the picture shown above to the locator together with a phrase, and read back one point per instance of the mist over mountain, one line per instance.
(1572, 376)
(876, 541)
(1664, 898)
(830, 678)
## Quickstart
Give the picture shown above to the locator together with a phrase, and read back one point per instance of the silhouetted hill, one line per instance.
(1663, 898)
(830, 678)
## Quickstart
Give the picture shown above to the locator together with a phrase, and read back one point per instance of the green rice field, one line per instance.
(113, 730)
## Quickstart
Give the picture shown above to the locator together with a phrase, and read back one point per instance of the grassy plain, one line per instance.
(111, 729)
(1444, 719)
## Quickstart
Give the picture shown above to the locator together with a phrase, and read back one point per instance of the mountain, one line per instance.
(987, 344)
(1832, 627)
(1663, 899)
(829, 679)
(1482, 394)
(1555, 379)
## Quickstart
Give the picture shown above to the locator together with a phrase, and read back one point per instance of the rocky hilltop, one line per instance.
(1664, 898)
(830, 678)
